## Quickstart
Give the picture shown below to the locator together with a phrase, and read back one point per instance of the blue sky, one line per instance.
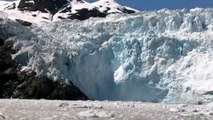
(159, 4)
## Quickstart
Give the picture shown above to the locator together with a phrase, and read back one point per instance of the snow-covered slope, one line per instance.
(159, 56)
(54, 10)
(13, 12)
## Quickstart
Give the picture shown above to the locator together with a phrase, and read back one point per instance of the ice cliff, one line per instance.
(157, 56)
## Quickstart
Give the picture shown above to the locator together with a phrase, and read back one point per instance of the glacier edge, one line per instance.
(160, 56)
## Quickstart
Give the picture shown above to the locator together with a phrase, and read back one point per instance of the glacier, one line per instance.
(156, 56)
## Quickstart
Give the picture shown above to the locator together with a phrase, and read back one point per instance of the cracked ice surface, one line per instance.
(159, 56)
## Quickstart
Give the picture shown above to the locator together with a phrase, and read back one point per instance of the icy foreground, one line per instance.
(93, 110)
(159, 56)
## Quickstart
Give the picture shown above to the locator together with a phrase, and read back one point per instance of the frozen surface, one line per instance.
(159, 56)
(95, 110)
(14, 13)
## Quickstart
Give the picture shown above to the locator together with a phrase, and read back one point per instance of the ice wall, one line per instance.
(159, 56)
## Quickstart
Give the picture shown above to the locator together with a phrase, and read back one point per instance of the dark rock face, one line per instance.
(10, 7)
(84, 14)
(27, 5)
(25, 85)
(208, 93)
(24, 23)
(42, 87)
(128, 11)
(6, 63)
(42, 5)
(1, 42)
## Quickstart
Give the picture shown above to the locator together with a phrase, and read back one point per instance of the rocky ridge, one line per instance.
(66, 9)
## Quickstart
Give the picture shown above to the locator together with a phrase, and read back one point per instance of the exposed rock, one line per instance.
(27, 5)
(24, 23)
(10, 7)
(208, 93)
(42, 87)
(5, 58)
(84, 14)
(42, 5)
(128, 11)
(1, 42)
(26, 85)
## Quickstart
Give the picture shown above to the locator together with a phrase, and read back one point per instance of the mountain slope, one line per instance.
(53, 10)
